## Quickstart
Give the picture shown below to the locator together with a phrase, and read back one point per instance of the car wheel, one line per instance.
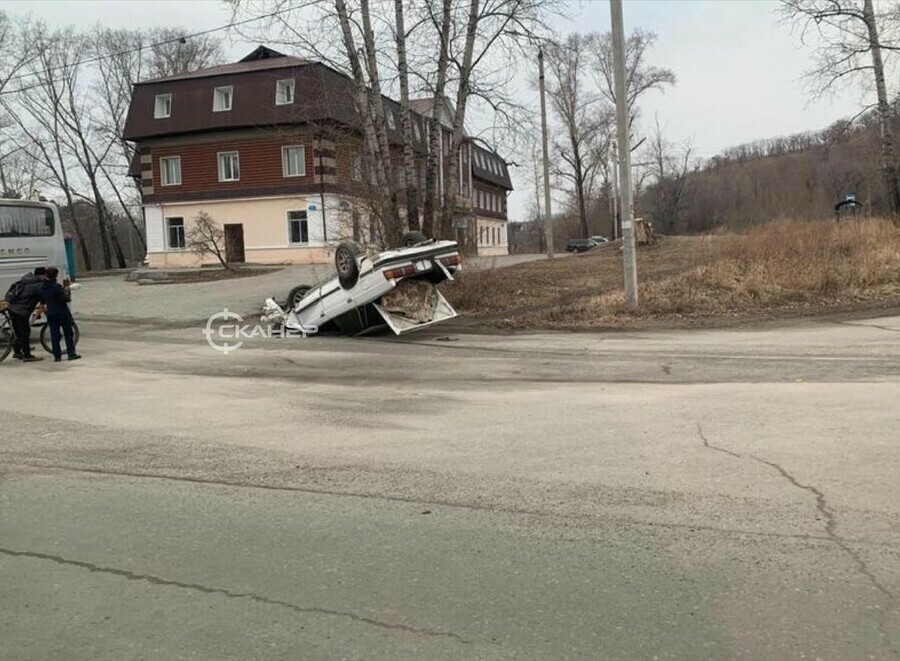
(296, 295)
(346, 265)
(413, 238)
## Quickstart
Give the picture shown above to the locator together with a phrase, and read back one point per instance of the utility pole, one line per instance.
(537, 197)
(629, 257)
(615, 193)
(548, 223)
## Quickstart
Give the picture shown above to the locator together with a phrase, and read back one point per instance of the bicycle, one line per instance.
(38, 319)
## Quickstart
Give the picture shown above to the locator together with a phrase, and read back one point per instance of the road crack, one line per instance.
(196, 587)
(828, 514)
(710, 446)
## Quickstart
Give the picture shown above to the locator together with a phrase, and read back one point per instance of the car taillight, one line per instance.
(452, 260)
(400, 272)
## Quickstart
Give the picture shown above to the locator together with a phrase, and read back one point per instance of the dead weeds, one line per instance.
(783, 268)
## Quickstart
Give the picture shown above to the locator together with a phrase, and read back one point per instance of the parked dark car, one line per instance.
(580, 245)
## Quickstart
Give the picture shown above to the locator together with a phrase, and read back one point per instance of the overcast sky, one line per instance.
(738, 68)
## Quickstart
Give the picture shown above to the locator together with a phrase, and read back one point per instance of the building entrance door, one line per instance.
(234, 243)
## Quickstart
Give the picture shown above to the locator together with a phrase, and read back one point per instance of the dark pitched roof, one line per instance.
(261, 53)
(490, 166)
(260, 62)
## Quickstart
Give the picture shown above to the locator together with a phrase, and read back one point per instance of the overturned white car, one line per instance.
(396, 288)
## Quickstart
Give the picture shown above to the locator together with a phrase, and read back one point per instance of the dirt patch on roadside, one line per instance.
(203, 275)
(784, 270)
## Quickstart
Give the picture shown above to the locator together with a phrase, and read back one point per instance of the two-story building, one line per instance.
(271, 147)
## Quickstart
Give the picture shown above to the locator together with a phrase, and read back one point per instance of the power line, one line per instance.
(178, 39)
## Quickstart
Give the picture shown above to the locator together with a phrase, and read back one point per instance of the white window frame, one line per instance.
(218, 93)
(167, 98)
(417, 132)
(290, 220)
(285, 161)
(282, 84)
(391, 122)
(169, 245)
(220, 162)
(162, 171)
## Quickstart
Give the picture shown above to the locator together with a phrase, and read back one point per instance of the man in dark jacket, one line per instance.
(59, 318)
(21, 307)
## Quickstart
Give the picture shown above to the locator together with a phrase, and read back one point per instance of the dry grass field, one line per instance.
(783, 268)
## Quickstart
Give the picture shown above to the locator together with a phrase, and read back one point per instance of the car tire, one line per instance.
(413, 238)
(296, 295)
(346, 265)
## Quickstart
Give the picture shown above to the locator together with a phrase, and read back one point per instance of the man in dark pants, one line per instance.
(28, 295)
(59, 318)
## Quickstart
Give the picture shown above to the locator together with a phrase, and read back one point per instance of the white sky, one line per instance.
(738, 69)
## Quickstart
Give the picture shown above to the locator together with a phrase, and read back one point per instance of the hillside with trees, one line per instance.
(801, 176)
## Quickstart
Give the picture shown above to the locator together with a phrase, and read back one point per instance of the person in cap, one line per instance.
(56, 298)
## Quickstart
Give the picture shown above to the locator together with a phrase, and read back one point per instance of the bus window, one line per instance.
(26, 221)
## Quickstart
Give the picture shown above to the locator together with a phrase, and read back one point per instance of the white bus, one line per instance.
(31, 235)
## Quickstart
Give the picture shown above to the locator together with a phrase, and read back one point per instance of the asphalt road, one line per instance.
(685, 495)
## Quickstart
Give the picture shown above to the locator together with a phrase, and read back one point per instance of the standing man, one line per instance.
(23, 297)
(56, 297)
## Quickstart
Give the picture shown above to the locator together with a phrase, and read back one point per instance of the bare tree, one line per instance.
(35, 108)
(121, 62)
(60, 75)
(669, 167)
(851, 46)
(442, 23)
(207, 238)
(483, 31)
(587, 123)
(640, 76)
(409, 156)
(172, 53)
(448, 49)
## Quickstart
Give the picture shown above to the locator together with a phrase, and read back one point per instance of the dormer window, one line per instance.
(222, 99)
(162, 106)
(284, 92)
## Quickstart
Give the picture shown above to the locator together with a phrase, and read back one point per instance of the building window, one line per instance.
(170, 171)
(417, 132)
(284, 92)
(175, 228)
(356, 169)
(162, 106)
(293, 161)
(229, 167)
(298, 227)
(222, 99)
(392, 124)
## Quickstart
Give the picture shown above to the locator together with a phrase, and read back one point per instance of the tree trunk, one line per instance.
(429, 224)
(409, 157)
(888, 160)
(394, 229)
(128, 214)
(451, 190)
